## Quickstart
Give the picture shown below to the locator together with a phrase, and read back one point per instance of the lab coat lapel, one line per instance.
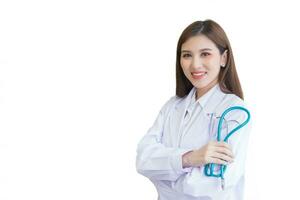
(211, 108)
(212, 105)
(181, 108)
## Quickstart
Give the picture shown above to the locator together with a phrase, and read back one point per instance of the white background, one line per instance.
(82, 81)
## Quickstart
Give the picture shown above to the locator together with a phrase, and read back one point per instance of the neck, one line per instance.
(201, 91)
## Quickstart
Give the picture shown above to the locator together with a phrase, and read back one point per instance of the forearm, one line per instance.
(159, 162)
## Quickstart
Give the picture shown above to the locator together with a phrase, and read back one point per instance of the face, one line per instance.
(201, 62)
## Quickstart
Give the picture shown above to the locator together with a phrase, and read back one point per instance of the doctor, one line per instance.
(173, 152)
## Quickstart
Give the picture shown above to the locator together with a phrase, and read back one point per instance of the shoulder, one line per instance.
(170, 103)
(232, 100)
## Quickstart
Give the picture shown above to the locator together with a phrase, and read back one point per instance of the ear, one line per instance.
(224, 58)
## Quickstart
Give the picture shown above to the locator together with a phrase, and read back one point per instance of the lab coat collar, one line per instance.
(214, 101)
(202, 100)
(208, 101)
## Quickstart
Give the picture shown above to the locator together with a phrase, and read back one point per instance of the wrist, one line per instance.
(186, 159)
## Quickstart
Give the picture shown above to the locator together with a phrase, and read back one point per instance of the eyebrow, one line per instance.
(205, 49)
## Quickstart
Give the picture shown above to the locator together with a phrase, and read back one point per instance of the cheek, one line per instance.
(211, 60)
(213, 63)
(185, 68)
(214, 70)
(185, 64)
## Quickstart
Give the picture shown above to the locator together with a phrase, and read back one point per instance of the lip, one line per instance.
(201, 75)
(198, 72)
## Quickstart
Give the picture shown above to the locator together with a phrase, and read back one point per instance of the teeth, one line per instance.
(198, 73)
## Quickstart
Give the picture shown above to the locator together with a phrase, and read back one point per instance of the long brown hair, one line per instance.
(228, 77)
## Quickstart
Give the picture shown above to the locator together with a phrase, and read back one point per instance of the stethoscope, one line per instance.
(209, 168)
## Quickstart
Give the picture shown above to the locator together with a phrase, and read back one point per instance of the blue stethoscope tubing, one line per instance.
(209, 168)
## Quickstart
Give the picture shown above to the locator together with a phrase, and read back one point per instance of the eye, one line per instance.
(205, 54)
(186, 55)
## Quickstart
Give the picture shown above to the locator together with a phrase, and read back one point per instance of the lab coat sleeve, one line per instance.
(156, 161)
(196, 183)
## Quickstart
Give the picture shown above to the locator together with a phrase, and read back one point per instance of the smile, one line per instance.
(198, 75)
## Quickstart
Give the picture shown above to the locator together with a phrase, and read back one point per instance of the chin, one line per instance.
(200, 85)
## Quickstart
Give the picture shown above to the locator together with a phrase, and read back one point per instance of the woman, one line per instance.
(182, 139)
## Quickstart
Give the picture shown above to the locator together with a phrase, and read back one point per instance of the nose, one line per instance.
(196, 63)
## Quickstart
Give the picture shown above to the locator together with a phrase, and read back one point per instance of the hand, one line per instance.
(213, 152)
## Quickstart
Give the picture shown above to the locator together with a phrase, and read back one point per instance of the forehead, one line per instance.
(195, 43)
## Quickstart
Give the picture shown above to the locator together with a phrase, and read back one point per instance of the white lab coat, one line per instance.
(184, 124)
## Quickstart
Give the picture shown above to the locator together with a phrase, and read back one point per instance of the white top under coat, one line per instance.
(184, 124)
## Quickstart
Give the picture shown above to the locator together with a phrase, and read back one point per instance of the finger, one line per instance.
(218, 161)
(222, 157)
(223, 144)
(225, 151)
